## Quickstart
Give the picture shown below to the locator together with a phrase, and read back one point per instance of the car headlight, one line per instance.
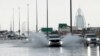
(49, 42)
(97, 39)
(27, 39)
(61, 42)
(88, 39)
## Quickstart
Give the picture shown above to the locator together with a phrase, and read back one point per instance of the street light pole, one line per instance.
(71, 16)
(47, 18)
(10, 25)
(13, 19)
(0, 26)
(36, 17)
(19, 22)
(28, 19)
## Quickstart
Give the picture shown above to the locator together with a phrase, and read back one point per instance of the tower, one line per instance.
(80, 20)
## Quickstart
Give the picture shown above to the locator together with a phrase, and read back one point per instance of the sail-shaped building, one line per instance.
(80, 20)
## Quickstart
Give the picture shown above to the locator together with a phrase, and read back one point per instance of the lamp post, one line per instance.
(71, 16)
(13, 19)
(10, 25)
(19, 22)
(28, 19)
(47, 18)
(36, 17)
(0, 26)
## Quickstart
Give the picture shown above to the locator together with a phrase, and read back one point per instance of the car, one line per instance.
(54, 40)
(91, 39)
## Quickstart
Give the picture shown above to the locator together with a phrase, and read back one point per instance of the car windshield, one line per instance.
(54, 36)
(91, 36)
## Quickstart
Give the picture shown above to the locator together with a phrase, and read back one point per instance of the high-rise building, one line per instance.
(80, 20)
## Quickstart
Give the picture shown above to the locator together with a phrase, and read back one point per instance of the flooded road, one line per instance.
(38, 46)
(27, 49)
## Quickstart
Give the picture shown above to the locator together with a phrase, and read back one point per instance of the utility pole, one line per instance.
(47, 18)
(13, 19)
(28, 19)
(36, 17)
(19, 22)
(71, 16)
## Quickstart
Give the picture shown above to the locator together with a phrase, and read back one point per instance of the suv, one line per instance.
(91, 39)
(54, 40)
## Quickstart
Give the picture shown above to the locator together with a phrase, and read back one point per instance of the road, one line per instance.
(37, 45)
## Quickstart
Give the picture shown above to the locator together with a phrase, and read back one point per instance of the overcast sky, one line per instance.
(58, 12)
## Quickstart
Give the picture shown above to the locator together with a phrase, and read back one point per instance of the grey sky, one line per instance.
(58, 12)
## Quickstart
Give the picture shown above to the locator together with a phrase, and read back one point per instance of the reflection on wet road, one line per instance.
(93, 51)
(37, 45)
(10, 49)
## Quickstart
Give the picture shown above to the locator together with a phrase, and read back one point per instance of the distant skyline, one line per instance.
(58, 12)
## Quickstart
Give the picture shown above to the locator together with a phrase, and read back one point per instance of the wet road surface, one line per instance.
(11, 49)
(36, 47)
